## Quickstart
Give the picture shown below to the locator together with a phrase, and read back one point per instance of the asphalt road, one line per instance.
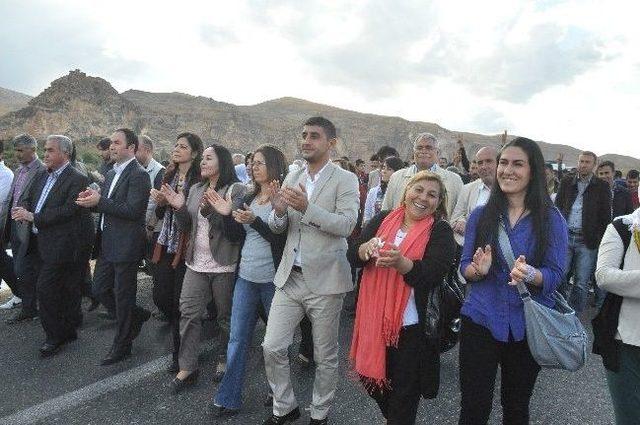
(72, 389)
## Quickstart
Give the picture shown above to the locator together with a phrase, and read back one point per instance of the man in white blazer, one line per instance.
(476, 193)
(318, 208)
(425, 151)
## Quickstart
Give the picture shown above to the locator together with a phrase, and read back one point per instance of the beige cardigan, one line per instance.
(625, 282)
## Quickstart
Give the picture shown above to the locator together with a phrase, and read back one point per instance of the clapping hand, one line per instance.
(389, 257)
(88, 198)
(482, 260)
(296, 198)
(275, 196)
(173, 198)
(521, 271)
(370, 248)
(244, 216)
(221, 205)
(158, 197)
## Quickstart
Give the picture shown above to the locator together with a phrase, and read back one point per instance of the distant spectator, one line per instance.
(444, 162)
(374, 173)
(373, 204)
(241, 168)
(632, 184)
(620, 197)
(103, 147)
(552, 180)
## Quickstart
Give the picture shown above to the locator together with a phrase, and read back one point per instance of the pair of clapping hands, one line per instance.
(176, 200)
(384, 257)
(520, 272)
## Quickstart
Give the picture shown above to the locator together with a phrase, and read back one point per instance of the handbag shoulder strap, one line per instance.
(507, 252)
(625, 235)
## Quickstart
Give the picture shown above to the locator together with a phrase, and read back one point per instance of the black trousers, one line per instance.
(399, 404)
(165, 280)
(116, 287)
(26, 269)
(59, 291)
(480, 355)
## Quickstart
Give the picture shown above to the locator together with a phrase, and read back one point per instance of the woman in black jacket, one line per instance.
(405, 254)
(260, 256)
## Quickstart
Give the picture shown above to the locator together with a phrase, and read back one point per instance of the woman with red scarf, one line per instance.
(405, 254)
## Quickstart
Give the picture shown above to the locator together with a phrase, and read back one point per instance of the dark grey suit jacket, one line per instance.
(123, 235)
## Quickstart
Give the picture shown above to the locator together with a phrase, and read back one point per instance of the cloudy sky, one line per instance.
(560, 71)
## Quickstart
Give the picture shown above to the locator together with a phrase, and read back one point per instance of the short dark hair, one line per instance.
(394, 163)
(591, 154)
(104, 144)
(633, 174)
(130, 137)
(548, 166)
(607, 164)
(386, 151)
(359, 162)
(374, 157)
(617, 174)
(327, 126)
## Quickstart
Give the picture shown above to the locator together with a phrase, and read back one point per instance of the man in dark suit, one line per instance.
(24, 148)
(620, 196)
(122, 204)
(60, 242)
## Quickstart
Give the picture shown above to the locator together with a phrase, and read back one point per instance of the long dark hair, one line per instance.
(276, 164)
(193, 174)
(537, 201)
(226, 170)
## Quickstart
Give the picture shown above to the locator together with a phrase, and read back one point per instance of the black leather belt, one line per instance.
(297, 269)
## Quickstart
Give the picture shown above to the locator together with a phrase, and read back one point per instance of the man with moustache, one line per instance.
(318, 208)
(425, 151)
(585, 202)
(60, 242)
(122, 204)
(17, 232)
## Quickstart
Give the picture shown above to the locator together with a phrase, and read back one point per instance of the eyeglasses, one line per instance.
(257, 164)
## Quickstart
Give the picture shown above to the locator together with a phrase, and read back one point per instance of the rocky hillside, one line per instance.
(87, 107)
(12, 100)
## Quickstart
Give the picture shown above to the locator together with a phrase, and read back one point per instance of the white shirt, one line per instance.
(410, 315)
(309, 186)
(6, 178)
(118, 168)
(483, 195)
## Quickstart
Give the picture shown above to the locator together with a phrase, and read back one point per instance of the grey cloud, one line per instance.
(42, 42)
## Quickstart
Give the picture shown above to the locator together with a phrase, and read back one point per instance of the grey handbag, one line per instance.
(556, 338)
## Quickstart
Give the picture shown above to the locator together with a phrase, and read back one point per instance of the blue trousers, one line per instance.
(247, 296)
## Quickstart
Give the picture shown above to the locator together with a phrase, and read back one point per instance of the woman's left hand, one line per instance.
(221, 205)
(520, 271)
(245, 216)
(391, 257)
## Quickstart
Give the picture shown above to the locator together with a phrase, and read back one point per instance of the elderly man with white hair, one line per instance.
(425, 151)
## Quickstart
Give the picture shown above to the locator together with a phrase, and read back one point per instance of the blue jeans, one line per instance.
(244, 314)
(581, 264)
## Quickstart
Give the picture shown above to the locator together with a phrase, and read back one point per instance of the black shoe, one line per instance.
(139, 319)
(173, 367)
(94, 304)
(107, 315)
(178, 385)
(318, 421)
(48, 349)
(22, 316)
(221, 411)
(279, 420)
(116, 356)
(304, 361)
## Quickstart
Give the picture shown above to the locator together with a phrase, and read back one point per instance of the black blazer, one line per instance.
(596, 210)
(123, 237)
(65, 230)
(425, 275)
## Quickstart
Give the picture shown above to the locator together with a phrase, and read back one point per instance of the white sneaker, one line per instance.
(12, 303)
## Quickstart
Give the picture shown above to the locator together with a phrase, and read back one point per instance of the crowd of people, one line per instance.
(239, 238)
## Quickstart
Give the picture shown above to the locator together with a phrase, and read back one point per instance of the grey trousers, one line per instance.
(290, 303)
(197, 291)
